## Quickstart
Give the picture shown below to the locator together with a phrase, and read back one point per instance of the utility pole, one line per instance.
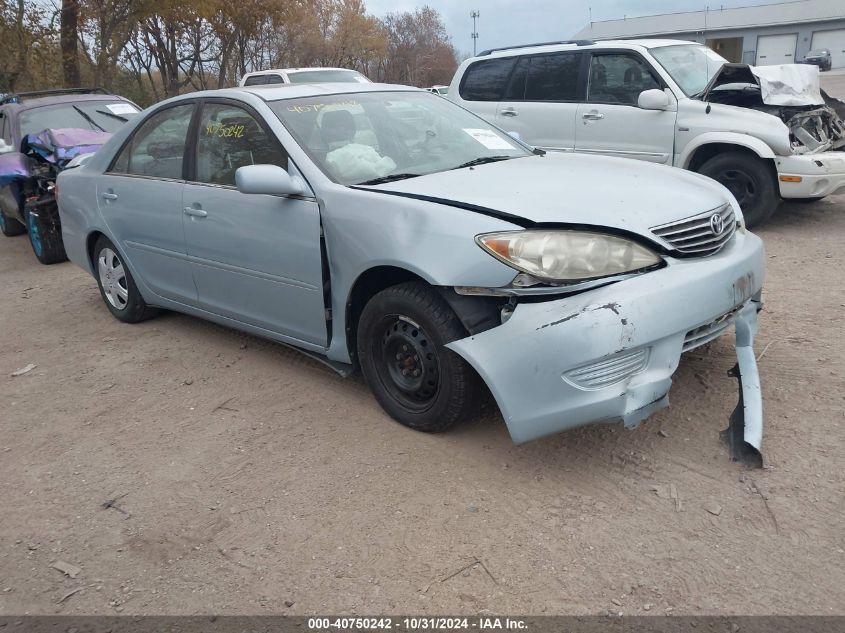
(474, 15)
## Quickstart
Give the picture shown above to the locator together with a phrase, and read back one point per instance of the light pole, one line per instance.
(474, 15)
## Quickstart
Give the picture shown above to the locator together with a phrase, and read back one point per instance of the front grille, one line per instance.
(709, 331)
(608, 371)
(696, 235)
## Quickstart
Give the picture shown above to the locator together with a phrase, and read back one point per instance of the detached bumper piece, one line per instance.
(744, 434)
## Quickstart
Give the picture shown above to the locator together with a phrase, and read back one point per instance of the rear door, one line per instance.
(609, 120)
(255, 258)
(140, 198)
(541, 100)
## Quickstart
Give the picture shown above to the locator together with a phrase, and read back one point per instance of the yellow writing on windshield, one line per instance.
(315, 107)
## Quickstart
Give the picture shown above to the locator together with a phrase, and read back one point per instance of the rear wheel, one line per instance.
(118, 289)
(402, 334)
(749, 179)
(45, 233)
(10, 226)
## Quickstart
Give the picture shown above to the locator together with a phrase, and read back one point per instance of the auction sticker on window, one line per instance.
(488, 139)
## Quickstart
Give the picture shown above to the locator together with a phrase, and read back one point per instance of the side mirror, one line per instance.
(267, 179)
(653, 99)
(515, 135)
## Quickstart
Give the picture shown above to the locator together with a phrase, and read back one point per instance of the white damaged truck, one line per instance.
(765, 133)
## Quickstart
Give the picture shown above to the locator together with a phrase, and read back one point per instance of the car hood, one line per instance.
(572, 189)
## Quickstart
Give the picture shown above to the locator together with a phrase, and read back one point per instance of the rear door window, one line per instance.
(157, 148)
(553, 77)
(618, 79)
(486, 80)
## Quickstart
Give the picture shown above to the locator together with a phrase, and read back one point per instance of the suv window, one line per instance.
(553, 77)
(619, 79)
(158, 145)
(261, 80)
(485, 80)
(228, 138)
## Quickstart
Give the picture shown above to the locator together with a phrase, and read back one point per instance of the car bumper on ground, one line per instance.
(609, 354)
(811, 175)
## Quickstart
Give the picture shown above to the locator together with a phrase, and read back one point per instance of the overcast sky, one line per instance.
(507, 22)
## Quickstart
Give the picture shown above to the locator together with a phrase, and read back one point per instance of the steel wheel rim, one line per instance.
(407, 362)
(34, 235)
(113, 279)
(740, 184)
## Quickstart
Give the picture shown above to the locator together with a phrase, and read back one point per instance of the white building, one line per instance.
(779, 33)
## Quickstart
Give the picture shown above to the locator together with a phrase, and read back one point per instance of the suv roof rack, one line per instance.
(15, 97)
(508, 48)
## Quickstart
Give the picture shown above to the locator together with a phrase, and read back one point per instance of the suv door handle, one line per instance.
(108, 195)
(510, 112)
(195, 212)
(592, 116)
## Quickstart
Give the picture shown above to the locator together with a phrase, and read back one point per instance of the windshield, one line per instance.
(326, 76)
(692, 66)
(381, 136)
(103, 116)
(819, 53)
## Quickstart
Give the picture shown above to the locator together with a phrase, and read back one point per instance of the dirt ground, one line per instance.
(252, 480)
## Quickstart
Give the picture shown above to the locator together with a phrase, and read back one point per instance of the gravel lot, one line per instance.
(251, 480)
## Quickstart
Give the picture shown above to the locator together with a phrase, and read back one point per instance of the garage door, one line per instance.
(776, 49)
(834, 41)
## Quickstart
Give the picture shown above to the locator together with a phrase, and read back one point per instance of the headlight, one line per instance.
(559, 255)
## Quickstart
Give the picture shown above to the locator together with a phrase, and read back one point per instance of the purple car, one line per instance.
(40, 134)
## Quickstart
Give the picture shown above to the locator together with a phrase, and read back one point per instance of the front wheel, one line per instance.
(402, 334)
(45, 234)
(117, 287)
(749, 179)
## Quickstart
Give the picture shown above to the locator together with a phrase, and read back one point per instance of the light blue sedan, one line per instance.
(387, 229)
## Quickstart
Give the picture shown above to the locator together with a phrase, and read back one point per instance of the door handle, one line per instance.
(510, 112)
(195, 212)
(108, 195)
(592, 116)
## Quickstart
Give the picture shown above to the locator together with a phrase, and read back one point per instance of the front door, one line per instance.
(609, 121)
(255, 258)
(140, 198)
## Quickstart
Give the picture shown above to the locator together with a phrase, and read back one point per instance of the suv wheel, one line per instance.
(402, 335)
(750, 180)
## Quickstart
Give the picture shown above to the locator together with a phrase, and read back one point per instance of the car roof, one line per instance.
(275, 92)
(553, 47)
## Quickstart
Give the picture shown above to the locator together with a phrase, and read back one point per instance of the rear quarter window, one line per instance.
(486, 80)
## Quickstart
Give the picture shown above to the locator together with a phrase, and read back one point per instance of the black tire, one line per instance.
(131, 310)
(45, 234)
(10, 226)
(402, 335)
(750, 179)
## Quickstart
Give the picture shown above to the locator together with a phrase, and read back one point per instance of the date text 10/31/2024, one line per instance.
(415, 624)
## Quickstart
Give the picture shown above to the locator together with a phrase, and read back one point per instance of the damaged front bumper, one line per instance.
(609, 353)
(811, 176)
